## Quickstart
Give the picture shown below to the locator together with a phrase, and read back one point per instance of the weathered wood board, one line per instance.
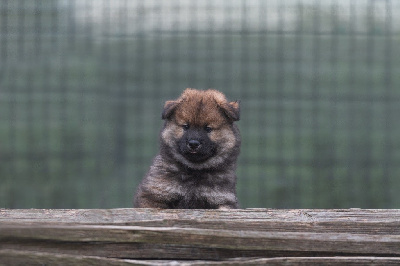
(192, 237)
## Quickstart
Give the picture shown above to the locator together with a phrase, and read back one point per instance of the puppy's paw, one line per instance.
(224, 207)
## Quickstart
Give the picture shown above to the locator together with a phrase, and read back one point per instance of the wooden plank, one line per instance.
(125, 215)
(341, 221)
(203, 234)
(334, 243)
(12, 257)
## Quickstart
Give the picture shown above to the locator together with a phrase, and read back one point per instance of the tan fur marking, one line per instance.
(234, 105)
(200, 108)
(224, 135)
(171, 132)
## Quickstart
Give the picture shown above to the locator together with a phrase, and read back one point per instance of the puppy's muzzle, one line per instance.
(193, 145)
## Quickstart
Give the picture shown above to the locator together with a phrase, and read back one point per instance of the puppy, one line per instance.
(199, 147)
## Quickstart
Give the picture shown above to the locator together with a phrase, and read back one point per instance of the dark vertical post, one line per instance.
(388, 164)
(370, 101)
(121, 101)
(315, 98)
(299, 98)
(351, 195)
(332, 179)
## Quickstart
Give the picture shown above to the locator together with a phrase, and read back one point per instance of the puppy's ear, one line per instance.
(231, 110)
(169, 108)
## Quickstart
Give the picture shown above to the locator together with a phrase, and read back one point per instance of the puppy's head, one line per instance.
(199, 128)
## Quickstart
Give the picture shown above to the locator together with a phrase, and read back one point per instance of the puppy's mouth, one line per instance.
(193, 151)
(197, 156)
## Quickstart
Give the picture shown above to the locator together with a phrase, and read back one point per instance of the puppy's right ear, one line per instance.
(169, 108)
(231, 110)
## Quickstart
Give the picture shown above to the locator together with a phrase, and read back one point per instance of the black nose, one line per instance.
(193, 144)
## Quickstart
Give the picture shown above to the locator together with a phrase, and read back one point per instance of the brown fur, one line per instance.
(181, 177)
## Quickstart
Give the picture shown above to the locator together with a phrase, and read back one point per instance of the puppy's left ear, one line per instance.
(169, 109)
(231, 110)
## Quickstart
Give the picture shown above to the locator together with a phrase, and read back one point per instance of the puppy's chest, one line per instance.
(198, 184)
(192, 179)
(196, 192)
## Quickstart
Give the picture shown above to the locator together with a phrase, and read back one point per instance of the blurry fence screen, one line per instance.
(82, 85)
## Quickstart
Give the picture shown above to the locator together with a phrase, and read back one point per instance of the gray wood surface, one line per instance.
(193, 237)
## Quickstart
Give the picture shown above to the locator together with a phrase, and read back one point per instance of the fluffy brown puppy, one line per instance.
(199, 146)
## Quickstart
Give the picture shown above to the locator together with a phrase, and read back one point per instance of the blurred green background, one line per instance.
(82, 85)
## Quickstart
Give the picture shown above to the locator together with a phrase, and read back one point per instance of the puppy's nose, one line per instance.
(193, 144)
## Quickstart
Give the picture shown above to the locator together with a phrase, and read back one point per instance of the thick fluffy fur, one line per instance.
(199, 146)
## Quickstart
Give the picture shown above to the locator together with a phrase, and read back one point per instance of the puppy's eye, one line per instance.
(185, 126)
(207, 129)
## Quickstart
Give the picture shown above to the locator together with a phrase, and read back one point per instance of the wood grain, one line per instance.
(250, 236)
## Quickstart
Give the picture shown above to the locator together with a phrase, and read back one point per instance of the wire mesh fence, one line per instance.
(82, 85)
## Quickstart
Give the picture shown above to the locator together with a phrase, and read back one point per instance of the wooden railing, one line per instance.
(195, 237)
